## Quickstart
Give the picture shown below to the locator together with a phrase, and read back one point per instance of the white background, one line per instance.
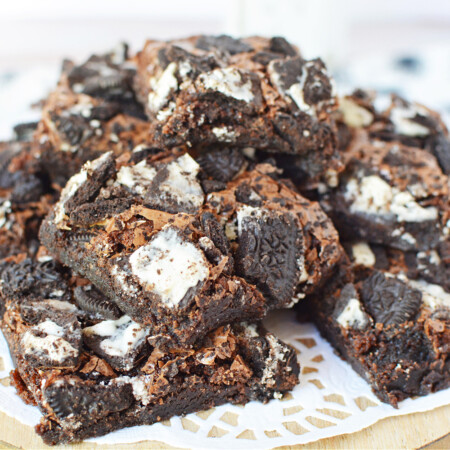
(34, 31)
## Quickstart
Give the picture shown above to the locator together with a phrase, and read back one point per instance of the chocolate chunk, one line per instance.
(91, 300)
(224, 43)
(222, 164)
(281, 45)
(214, 231)
(120, 342)
(71, 395)
(388, 300)
(270, 246)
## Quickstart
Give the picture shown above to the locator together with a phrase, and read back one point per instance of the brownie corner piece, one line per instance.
(392, 330)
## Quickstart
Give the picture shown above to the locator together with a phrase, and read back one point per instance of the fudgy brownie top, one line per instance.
(78, 354)
(390, 194)
(166, 245)
(253, 92)
(409, 123)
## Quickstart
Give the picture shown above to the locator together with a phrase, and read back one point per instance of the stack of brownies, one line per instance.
(167, 201)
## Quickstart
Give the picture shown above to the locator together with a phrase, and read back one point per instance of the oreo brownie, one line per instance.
(92, 370)
(92, 110)
(209, 91)
(390, 194)
(395, 332)
(409, 123)
(181, 261)
(25, 199)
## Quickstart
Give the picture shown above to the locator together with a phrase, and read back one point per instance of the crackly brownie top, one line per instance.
(147, 212)
(253, 76)
(76, 342)
(409, 123)
(391, 194)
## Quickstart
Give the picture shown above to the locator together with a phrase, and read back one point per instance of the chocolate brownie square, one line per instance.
(394, 332)
(209, 91)
(92, 110)
(92, 370)
(182, 261)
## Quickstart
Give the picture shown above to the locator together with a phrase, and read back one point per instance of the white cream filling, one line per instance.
(137, 178)
(52, 345)
(123, 335)
(433, 295)
(223, 134)
(354, 115)
(181, 183)
(169, 266)
(363, 255)
(373, 195)
(352, 315)
(401, 118)
(5, 209)
(228, 81)
(162, 86)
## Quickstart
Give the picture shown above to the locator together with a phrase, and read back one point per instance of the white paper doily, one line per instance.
(330, 400)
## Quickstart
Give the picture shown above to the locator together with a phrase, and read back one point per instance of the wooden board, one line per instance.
(413, 431)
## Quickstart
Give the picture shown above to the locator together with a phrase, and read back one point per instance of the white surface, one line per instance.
(335, 375)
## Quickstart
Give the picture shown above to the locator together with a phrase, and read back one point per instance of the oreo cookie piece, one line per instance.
(389, 300)
(92, 301)
(223, 43)
(36, 280)
(270, 252)
(71, 397)
(222, 164)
